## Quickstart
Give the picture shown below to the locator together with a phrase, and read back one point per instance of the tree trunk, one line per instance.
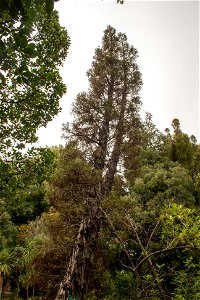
(76, 280)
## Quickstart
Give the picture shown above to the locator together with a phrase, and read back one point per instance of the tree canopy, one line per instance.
(30, 82)
(32, 50)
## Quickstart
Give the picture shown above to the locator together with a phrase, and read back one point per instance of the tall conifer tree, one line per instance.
(107, 128)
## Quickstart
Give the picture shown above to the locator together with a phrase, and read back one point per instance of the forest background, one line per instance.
(115, 212)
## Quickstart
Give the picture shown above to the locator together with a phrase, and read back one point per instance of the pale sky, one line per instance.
(166, 35)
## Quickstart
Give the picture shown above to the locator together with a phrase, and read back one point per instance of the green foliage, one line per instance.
(115, 285)
(46, 243)
(180, 228)
(162, 183)
(18, 20)
(66, 190)
(22, 9)
(124, 284)
(73, 179)
(32, 86)
(154, 229)
(149, 241)
(27, 204)
(8, 230)
(33, 167)
(5, 267)
(154, 245)
(33, 47)
(5, 262)
(181, 225)
(22, 185)
(187, 281)
(181, 148)
(152, 137)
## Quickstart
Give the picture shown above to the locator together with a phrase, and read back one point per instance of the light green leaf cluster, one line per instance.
(181, 226)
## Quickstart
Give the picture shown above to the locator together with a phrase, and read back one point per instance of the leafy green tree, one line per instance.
(28, 260)
(180, 229)
(182, 148)
(107, 130)
(30, 83)
(31, 87)
(66, 192)
(153, 138)
(153, 142)
(160, 183)
(187, 280)
(23, 191)
(160, 247)
(33, 47)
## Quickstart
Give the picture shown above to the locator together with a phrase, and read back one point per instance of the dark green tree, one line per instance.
(179, 147)
(107, 130)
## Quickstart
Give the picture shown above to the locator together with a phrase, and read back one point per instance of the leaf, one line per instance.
(20, 39)
(30, 50)
(27, 22)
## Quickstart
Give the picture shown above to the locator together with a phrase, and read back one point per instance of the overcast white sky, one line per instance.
(166, 35)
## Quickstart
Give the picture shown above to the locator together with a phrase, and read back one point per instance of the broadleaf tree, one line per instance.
(30, 84)
(107, 129)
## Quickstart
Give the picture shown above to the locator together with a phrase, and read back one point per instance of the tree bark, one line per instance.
(75, 282)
